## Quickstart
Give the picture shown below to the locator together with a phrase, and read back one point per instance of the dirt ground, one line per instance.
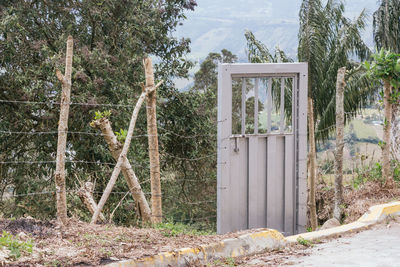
(357, 246)
(356, 201)
(82, 244)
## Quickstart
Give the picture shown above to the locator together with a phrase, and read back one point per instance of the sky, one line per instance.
(218, 24)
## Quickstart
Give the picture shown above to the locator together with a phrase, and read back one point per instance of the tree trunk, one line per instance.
(395, 135)
(85, 194)
(313, 166)
(156, 200)
(386, 170)
(340, 84)
(122, 156)
(115, 147)
(62, 134)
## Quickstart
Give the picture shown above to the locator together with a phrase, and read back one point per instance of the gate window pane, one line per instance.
(262, 106)
(288, 110)
(237, 105)
(275, 110)
(249, 97)
(275, 105)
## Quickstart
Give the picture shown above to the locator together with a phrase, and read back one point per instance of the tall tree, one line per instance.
(327, 41)
(386, 27)
(386, 67)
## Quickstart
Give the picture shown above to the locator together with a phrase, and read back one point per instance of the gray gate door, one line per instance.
(262, 147)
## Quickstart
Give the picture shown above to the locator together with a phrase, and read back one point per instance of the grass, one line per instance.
(170, 229)
(304, 242)
(16, 246)
(361, 129)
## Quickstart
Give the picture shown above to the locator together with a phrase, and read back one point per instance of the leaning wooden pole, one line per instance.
(62, 133)
(134, 186)
(156, 200)
(124, 152)
(340, 84)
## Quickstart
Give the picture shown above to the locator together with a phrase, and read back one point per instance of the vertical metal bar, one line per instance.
(256, 106)
(243, 106)
(224, 208)
(282, 122)
(289, 193)
(269, 105)
(295, 157)
(294, 82)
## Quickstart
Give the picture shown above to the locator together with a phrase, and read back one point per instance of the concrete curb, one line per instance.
(374, 215)
(256, 242)
(233, 247)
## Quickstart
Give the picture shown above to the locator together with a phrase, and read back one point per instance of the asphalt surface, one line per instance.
(379, 246)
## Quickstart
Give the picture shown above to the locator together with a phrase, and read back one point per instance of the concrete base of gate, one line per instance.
(257, 242)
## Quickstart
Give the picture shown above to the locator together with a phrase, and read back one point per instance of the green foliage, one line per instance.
(171, 229)
(374, 173)
(304, 242)
(225, 262)
(102, 114)
(386, 67)
(386, 25)
(328, 41)
(16, 246)
(110, 41)
(121, 135)
(366, 174)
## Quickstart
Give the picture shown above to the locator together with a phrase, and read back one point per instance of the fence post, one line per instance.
(62, 133)
(340, 84)
(156, 200)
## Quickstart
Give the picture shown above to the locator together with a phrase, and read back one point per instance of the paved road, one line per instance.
(379, 246)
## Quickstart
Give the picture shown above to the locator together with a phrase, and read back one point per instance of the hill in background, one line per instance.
(218, 24)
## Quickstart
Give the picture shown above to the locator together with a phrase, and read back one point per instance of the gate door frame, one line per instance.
(230, 207)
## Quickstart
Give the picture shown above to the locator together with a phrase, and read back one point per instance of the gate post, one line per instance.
(224, 132)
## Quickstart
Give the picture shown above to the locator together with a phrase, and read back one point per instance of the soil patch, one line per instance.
(82, 244)
(356, 201)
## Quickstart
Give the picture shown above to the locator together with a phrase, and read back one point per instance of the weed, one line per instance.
(15, 245)
(226, 262)
(304, 242)
(170, 229)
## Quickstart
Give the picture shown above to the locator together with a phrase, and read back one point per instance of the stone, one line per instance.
(330, 224)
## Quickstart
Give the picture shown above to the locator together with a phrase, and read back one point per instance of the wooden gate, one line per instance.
(262, 147)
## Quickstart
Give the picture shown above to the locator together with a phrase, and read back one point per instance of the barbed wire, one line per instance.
(185, 136)
(189, 159)
(59, 103)
(69, 132)
(101, 134)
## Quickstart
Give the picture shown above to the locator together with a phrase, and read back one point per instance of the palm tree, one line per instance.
(327, 41)
(386, 28)
(386, 25)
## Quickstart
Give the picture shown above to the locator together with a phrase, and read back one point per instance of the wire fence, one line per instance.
(165, 156)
